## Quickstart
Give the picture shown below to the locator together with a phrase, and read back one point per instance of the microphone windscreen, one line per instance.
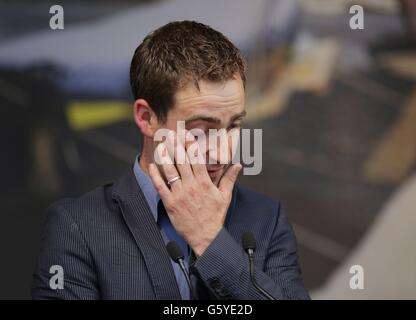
(249, 242)
(175, 251)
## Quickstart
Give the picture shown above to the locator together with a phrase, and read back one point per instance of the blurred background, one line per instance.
(337, 107)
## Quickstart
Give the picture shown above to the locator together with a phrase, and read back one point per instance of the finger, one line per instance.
(176, 147)
(223, 146)
(166, 163)
(233, 141)
(228, 179)
(159, 183)
(170, 144)
(196, 157)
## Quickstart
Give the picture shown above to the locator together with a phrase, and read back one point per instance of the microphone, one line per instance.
(176, 254)
(249, 245)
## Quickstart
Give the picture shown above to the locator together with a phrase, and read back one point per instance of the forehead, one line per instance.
(211, 98)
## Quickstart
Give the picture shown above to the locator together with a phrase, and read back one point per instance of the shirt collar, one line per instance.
(147, 187)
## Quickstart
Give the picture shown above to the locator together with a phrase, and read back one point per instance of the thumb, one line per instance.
(228, 179)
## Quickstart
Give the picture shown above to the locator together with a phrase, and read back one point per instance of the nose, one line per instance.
(218, 151)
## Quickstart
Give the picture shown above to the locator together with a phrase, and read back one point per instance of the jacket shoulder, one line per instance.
(96, 201)
(256, 201)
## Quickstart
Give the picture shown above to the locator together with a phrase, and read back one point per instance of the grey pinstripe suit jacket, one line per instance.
(110, 247)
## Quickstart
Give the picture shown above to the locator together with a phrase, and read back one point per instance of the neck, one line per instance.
(144, 164)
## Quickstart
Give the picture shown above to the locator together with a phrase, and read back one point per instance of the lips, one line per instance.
(214, 171)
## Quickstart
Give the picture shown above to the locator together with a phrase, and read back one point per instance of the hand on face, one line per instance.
(195, 205)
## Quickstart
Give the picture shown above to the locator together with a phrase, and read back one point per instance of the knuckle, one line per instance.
(169, 205)
(192, 190)
(205, 185)
(159, 187)
(181, 201)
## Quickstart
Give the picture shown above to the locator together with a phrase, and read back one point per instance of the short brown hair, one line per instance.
(176, 54)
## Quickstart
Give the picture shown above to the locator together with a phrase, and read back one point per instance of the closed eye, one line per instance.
(234, 126)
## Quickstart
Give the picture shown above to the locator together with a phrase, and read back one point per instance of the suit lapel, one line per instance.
(235, 222)
(145, 231)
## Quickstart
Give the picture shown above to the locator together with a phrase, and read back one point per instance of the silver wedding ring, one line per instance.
(173, 180)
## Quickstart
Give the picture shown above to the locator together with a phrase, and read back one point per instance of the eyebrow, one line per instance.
(214, 119)
(238, 116)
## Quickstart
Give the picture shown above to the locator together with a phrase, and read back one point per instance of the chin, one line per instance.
(216, 175)
(216, 180)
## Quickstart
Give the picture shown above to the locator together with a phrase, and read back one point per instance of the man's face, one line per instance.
(214, 106)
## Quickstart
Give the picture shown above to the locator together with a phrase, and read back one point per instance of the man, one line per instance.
(111, 242)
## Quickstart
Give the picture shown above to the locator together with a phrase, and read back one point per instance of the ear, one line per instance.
(145, 118)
